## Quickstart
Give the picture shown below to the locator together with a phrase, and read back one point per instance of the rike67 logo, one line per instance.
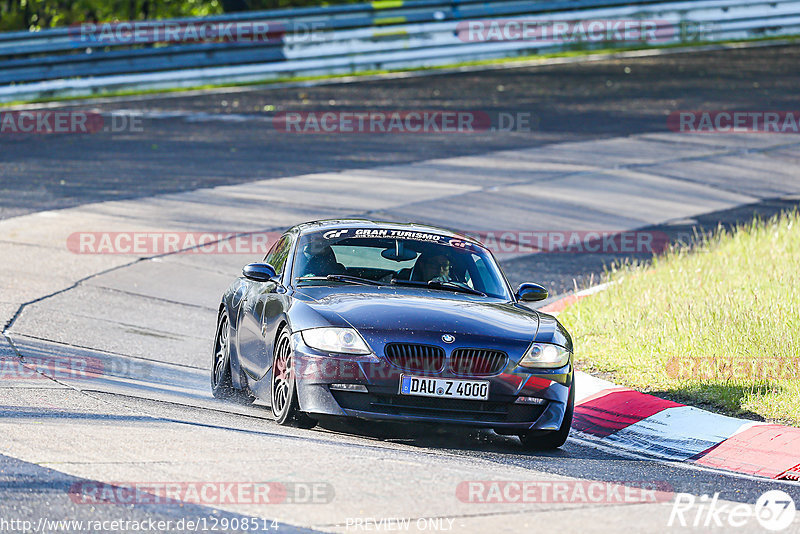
(774, 511)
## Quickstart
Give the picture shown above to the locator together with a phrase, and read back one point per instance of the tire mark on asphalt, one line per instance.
(149, 297)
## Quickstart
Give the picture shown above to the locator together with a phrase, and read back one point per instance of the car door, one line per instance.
(262, 307)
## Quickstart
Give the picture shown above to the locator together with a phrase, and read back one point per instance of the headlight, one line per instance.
(544, 355)
(341, 340)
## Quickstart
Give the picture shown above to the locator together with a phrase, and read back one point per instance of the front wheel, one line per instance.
(285, 405)
(551, 439)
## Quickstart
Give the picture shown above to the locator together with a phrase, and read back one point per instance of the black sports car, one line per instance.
(390, 321)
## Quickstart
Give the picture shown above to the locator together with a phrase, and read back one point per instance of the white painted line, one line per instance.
(594, 289)
(587, 385)
(587, 440)
(676, 433)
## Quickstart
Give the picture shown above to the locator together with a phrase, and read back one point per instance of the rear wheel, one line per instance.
(221, 382)
(285, 405)
(551, 439)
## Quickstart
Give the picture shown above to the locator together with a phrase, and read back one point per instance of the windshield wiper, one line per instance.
(433, 284)
(455, 287)
(344, 278)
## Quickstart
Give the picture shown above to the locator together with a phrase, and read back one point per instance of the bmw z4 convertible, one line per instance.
(397, 322)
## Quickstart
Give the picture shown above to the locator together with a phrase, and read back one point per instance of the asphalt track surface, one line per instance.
(153, 419)
(209, 146)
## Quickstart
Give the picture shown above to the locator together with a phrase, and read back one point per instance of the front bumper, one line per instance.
(316, 371)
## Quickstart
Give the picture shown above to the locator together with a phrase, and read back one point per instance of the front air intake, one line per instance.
(413, 357)
(477, 362)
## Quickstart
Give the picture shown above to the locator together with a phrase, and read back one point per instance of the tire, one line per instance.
(221, 382)
(542, 440)
(283, 386)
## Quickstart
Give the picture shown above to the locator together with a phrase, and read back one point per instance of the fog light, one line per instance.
(349, 387)
(529, 400)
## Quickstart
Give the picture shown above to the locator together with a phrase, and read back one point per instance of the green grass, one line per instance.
(715, 325)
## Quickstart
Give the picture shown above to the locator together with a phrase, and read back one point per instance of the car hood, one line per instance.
(393, 313)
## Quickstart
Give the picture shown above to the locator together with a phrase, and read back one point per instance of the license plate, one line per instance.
(444, 387)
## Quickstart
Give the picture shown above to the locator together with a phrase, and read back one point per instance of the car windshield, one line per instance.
(390, 256)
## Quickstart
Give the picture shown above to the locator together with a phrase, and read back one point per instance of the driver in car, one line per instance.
(318, 259)
(435, 269)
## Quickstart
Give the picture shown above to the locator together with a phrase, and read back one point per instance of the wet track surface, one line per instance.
(420, 468)
(152, 418)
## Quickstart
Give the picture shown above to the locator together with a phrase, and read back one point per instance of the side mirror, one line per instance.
(259, 272)
(530, 292)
